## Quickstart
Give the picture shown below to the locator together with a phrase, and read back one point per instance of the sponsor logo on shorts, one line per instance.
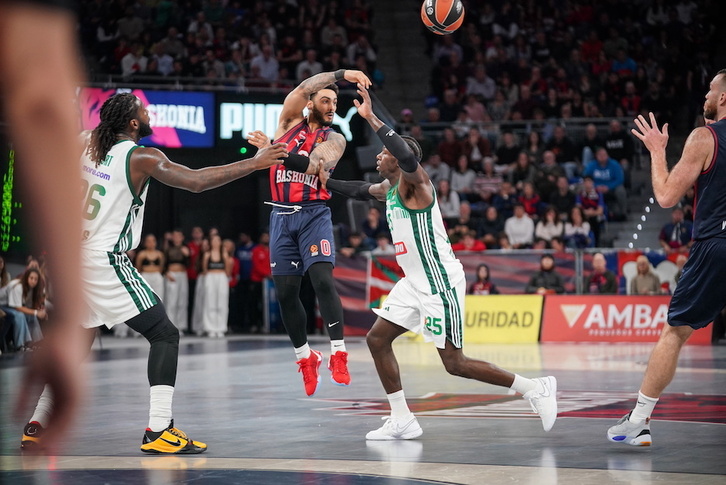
(314, 250)
(295, 263)
(400, 248)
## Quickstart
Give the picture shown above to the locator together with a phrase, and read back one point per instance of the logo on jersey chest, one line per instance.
(400, 248)
(284, 176)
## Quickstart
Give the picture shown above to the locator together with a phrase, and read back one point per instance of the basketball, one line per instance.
(442, 16)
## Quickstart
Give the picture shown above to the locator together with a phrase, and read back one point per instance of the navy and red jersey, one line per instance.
(709, 213)
(289, 185)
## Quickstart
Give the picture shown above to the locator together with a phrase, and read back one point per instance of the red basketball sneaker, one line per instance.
(310, 369)
(338, 365)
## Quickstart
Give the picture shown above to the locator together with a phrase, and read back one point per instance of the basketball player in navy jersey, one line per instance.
(699, 296)
(301, 229)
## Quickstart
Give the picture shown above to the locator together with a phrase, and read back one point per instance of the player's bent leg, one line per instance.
(295, 320)
(634, 428)
(331, 310)
(161, 437)
(380, 339)
(664, 359)
(542, 393)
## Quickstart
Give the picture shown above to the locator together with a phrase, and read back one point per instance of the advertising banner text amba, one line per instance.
(571, 318)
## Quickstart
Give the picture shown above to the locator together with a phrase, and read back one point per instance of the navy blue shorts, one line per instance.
(701, 292)
(300, 239)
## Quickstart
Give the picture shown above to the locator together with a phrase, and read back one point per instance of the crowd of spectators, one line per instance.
(239, 43)
(580, 58)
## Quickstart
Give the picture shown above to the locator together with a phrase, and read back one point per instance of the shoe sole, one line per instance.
(341, 384)
(639, 440)
(180, 452)
(406, 436)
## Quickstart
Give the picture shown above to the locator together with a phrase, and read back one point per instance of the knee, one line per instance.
(323, 282)
(456, 366)
(375, 341)
(286, 294)
(165, 332)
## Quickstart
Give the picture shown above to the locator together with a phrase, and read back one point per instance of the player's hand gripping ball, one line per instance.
(442, 16)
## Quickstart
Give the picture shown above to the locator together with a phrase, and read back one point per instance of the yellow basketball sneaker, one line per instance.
(171, 441)
(32, 434)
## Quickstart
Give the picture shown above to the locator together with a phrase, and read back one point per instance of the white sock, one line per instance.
(643, 409)
(337, 345)
(160, 407)
(522, 384)
(399, 408)
(44, 408)
(302, 352)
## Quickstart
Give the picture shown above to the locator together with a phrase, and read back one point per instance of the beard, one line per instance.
(709, 113)
(144, 129)
(319, 117)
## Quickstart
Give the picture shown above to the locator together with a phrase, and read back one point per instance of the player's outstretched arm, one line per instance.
(354, 189)
(298, 98)
(151, 162)
(670, 186)
(325, 155)
(413, 173)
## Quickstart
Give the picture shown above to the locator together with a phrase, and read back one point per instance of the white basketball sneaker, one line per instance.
(635, 434)
(544, 400)
(397, 429)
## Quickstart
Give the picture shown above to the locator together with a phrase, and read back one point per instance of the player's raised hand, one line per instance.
(365, 108)
(652, 137)
(357, 77)
(269, 156)
(258, 139)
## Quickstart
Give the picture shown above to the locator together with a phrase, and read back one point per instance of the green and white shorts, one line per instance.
(114, 290)
(437, 318)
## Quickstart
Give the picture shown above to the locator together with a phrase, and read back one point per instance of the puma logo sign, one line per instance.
(172, 443)
(295, 263)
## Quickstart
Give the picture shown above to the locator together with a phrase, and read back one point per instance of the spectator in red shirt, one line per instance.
(530, 200)
(469, 243)
(449, 149)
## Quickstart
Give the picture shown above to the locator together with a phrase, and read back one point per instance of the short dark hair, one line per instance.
(414, 146)
(332, 87)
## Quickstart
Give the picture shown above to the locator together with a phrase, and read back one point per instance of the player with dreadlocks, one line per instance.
(115, 177)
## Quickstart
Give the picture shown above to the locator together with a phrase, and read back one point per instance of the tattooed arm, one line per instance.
(327, 153)
(151, 162)
(298, 98)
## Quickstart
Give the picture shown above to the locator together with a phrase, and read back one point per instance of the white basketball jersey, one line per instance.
(112, 213)
(423, 250)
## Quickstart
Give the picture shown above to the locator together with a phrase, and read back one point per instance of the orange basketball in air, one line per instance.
(442, 16)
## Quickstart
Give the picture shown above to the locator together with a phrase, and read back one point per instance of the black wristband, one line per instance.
(296, 162)
(339, 74)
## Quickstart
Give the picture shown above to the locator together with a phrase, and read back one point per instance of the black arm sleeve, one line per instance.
(296, 162)
(355, 189)
(398, 148)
